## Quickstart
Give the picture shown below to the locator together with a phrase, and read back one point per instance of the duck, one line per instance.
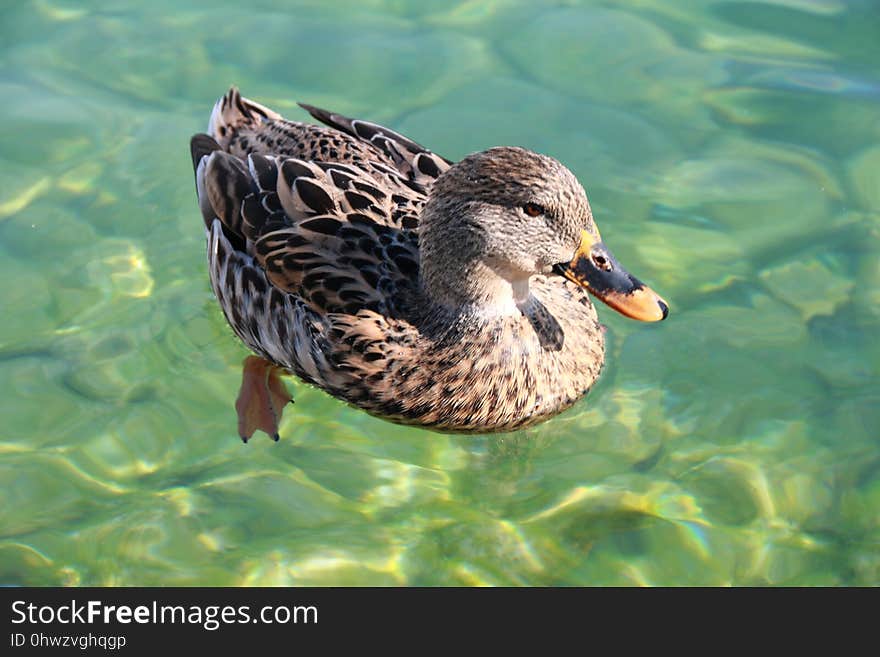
(453, 296)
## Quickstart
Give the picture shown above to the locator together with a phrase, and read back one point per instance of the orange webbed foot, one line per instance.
(261, 399)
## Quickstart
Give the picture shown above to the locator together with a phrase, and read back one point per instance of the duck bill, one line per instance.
(595, 268)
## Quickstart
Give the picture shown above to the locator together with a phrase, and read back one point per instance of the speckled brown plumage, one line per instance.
(414, 288)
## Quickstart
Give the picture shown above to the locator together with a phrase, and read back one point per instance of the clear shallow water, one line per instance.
(731, 151)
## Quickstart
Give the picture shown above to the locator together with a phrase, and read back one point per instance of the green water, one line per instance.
(731, 151)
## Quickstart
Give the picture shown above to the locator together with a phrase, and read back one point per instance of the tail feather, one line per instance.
(232, 112)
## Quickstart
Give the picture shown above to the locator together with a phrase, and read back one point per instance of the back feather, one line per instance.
(340, 234)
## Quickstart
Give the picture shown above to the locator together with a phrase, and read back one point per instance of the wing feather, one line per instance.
(313, 235)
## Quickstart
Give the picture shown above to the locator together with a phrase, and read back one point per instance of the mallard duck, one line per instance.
(447, 295)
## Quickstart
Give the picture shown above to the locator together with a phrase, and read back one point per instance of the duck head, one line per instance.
(500, 216)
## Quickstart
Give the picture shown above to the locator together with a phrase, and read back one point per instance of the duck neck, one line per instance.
(474, 286)
(456, 272)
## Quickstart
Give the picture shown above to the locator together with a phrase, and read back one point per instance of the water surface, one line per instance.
(731, 151)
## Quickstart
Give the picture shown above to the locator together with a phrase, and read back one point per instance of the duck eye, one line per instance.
(533, 209)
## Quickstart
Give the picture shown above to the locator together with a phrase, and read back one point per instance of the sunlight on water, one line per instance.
(731, 151)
